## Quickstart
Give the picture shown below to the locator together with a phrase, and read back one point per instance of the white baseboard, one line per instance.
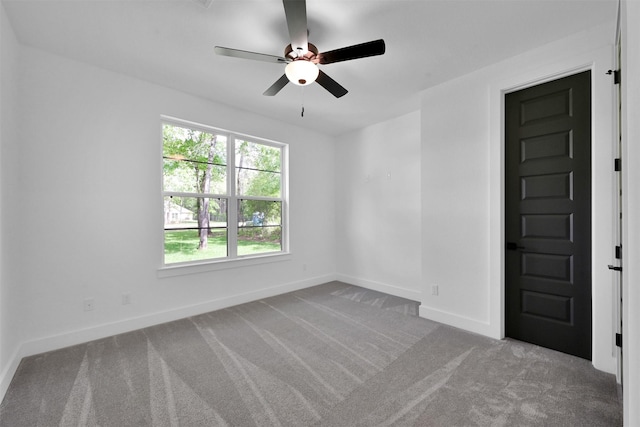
(381, 287)
(79, 336)
(468, 324)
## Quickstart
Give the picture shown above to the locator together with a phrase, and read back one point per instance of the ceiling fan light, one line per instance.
(301, 72)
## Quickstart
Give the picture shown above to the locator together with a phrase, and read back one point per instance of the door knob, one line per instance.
(512, 246)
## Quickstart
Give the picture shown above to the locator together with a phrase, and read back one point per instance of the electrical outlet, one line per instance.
(89, 304)
(434, 290)
(126, 299)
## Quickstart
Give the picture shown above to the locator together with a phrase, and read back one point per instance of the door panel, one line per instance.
(548, 214)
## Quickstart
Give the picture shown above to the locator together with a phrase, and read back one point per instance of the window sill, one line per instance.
(203, 267)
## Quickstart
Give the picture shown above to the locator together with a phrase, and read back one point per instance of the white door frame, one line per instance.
(599, 62)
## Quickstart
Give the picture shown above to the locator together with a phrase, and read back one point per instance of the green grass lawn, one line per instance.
(182, 246)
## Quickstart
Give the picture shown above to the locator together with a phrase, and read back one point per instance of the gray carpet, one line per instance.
(331, 355)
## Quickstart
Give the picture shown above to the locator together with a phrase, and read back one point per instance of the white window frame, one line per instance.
(232, 260)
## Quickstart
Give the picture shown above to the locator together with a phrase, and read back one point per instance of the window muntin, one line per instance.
(210, 176)
(182, 180)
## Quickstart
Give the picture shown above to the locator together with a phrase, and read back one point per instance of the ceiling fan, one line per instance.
(302, 58)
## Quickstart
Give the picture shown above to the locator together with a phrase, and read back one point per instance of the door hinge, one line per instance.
(617, 165)
(618, 252)
(616, 76)
(619, 340)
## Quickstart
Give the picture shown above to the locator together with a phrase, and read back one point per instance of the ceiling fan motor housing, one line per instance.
(311, 54)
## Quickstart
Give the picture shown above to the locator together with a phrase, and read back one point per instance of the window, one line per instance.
(224, 195)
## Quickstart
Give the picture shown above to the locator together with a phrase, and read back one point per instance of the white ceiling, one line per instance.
(428, 41)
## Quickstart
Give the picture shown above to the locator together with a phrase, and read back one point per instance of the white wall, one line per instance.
(87, 179)
(631, 192)
(463, 178)
(9, 288)
(455, 201)
(378, 206)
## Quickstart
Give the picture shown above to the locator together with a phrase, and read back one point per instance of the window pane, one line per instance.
(195, 229)
(259, 226)
(194, 161)
(257, 169)
(182, 176)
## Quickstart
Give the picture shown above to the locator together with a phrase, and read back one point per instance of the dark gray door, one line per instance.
(548, 214)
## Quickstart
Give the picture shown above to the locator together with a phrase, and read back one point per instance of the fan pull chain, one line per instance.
(302, 112)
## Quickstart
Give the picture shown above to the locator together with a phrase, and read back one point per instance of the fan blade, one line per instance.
(236, 53)
(363, 50)
(296, 14)
(277, 86)
(331, 85)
